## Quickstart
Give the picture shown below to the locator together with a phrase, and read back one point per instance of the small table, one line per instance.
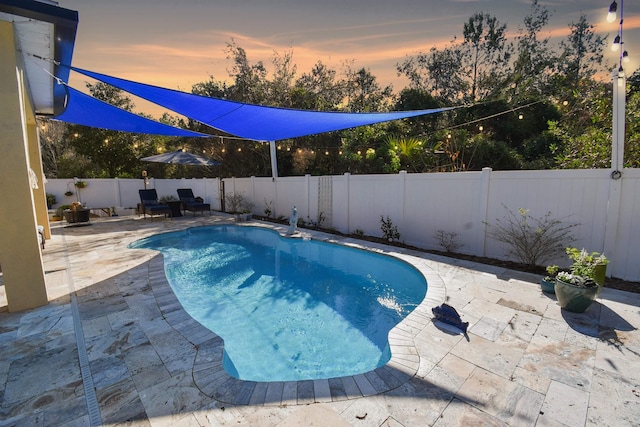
(175, 206)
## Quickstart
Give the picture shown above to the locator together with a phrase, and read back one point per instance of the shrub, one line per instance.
(389, 231)
(267, 208)
(532, 241)
(448, 240)
(51, 200)
(237, 203)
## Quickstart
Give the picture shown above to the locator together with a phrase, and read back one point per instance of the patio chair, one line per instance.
(150, 204)
(189, 202)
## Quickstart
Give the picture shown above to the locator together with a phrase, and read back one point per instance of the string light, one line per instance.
(616, 43)
(613, 8)
(619, 99)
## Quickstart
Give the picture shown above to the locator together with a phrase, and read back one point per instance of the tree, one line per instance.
(484, 47)
(582, 55)
(249, 80)
(364, 93)
(535, 60)
(283, 78)
(110, 153)
(319, 89)
(439, 72)
(53, 146)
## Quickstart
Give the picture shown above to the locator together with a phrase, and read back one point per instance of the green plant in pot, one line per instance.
(575, 293)
(593, 265)
(51, 200)
(548, 282)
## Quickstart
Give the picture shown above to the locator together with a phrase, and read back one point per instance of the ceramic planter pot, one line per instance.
(574, 298)
(599, 274)
(548, 286)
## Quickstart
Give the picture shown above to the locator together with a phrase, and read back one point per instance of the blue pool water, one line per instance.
(289, 309)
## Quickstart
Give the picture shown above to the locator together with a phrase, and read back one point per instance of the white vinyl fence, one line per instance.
(466, 203)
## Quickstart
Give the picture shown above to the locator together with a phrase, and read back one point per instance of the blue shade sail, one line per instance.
(256, 122)
(82, 109)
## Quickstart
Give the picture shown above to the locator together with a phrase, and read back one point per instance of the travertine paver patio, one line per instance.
(115, 347)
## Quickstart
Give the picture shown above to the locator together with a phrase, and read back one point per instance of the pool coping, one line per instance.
(212, 380)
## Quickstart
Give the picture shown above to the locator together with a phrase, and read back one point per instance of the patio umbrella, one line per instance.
(181, 157)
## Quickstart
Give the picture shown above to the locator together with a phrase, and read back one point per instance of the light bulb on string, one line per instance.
(625, 57)
(613, 8)
(616, 44)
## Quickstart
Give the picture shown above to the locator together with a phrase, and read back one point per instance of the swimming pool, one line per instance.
(289, 309)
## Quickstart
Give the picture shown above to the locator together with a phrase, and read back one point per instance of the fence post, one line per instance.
(307, 181)
(612, 221)
(275, 196)
(402, 175)
(253, 190)
(117, 190)
(347, 177)
(483, 207)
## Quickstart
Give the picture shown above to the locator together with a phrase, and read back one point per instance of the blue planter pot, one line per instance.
(548, 286)
(574, 298)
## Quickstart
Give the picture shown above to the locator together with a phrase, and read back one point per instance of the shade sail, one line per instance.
(250, 121)
(181, 157)
(82, 109)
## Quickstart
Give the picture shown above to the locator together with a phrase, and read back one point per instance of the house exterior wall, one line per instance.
(20, 254)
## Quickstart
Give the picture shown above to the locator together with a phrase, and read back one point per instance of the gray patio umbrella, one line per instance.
(181, 157)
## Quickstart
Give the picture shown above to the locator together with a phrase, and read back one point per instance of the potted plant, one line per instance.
(68, 192)
(548, 282)
(575, 293)
(80, 184)
(239, 206)
(592, 265)
(51, 200)
(247, 210)
(59, 212)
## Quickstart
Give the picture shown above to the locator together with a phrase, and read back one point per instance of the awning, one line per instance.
(256, 122)
(82, 109)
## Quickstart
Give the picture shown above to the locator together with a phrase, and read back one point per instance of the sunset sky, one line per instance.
(177, 43)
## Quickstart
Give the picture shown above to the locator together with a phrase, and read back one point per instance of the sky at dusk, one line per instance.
(177, 43)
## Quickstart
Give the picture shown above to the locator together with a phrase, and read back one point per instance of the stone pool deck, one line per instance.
(114, 347)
